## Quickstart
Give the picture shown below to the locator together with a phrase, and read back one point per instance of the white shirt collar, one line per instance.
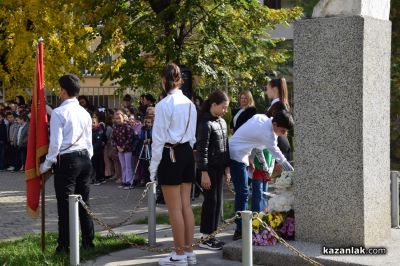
(176, 90)
(275, 101)
(67, 101)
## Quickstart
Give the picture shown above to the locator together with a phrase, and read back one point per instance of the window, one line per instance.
(275, 4)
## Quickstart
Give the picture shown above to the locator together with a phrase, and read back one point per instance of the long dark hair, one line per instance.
(21, 100)
(217, 97)
(280, 83)
(173, 77)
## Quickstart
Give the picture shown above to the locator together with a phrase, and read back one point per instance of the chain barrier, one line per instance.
(107, 227)
(286, 244)
(104, 225)
(280, 239)
(231, 188)
(219, 230)
(133, 212)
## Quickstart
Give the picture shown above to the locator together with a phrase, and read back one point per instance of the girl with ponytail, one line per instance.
(277, 93)
(212, 161)
(172, 162)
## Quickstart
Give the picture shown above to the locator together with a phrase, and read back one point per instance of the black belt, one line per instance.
(81, 153)
(168, 145)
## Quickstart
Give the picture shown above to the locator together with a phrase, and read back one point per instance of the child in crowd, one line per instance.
(98, 142)
(111, 160)
(263, 168)
(12, 140)
(22, 141)
(143, 150)
(213, 162)
(136, 126)
(3, 140)
(122, 138)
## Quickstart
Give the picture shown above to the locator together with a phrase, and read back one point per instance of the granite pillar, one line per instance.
(341, 108)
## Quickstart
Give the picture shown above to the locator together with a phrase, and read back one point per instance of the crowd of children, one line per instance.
(122, 142)
(14, 128)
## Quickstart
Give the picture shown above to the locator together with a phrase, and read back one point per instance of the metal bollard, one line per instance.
(394, 187)
(247, 238)
(74, 229)
(151, 200)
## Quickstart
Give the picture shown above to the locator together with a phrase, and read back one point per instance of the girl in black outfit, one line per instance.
(277, 93)
(212, 161)
(245, 112)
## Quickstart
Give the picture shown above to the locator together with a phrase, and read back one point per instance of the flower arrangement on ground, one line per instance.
(279, 215)
(281, 222)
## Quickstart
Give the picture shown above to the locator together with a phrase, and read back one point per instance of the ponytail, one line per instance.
(281, 84)
(284, 95)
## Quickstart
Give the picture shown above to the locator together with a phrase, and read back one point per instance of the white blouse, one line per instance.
(171, 118)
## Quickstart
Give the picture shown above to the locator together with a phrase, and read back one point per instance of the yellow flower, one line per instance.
(256, 223)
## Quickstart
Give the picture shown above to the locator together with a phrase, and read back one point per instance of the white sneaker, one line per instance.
(11, 168)
(174, 259)
(191, 258)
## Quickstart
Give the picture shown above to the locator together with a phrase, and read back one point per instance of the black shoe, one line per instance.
(62, 249)
(237, 235)
(216, 240)
(210, 244)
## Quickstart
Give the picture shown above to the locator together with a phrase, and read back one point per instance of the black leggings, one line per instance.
(212, 201)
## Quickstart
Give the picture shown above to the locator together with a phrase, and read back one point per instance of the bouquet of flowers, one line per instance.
(281, 222)
(287, 229)
(282, 199)
(285, 180)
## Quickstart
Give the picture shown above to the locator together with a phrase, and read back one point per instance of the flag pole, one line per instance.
(43, 186)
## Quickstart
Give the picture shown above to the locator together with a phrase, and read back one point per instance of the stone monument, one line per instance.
(341, 108)
(379, 9)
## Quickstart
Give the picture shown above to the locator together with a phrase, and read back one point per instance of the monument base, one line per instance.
(342, 130)
(279, 255)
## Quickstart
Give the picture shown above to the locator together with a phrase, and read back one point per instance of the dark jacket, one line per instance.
(243, 117)
(145, 134)
(99, 139)
(283, 142)
(23, 142)
(212, 142)
(3, 131)
(277, 107)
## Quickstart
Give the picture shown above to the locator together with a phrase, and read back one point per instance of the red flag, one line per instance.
(38, 140)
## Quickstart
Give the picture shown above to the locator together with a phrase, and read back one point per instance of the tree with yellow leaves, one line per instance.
(66, 41)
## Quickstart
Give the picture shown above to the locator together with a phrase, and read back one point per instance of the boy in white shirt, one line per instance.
(258, 132)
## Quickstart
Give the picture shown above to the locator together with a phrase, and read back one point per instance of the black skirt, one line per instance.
(181, 171)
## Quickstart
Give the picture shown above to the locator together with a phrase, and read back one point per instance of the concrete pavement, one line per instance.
(134, 256)
(107, 201)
